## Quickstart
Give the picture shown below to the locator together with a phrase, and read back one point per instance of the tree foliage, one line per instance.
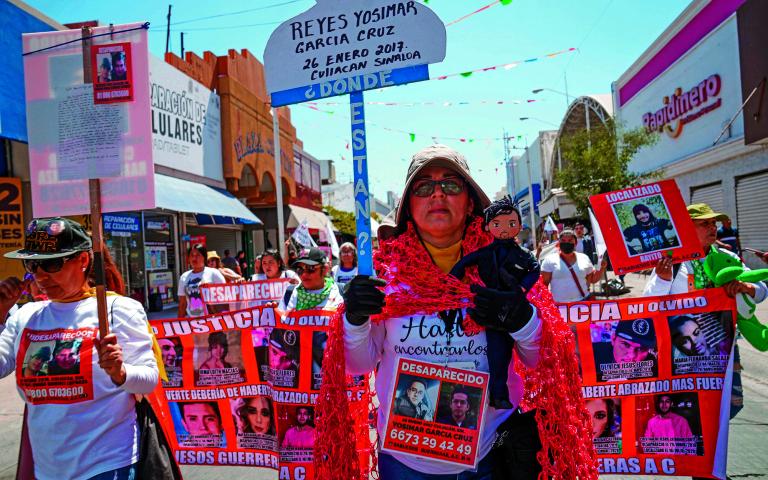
(597, 161)
(343, 221)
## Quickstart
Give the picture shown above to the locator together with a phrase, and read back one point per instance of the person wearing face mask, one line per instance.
(569, 273)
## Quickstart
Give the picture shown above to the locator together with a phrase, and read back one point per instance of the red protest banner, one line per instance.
(435, 412)
(654, 371)
(245, 293)
(642, 224)
(242, 387)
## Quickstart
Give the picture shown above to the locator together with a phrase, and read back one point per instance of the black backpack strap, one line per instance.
(288, 292)
(675, 270)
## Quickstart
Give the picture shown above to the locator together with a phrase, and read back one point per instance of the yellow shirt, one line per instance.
(445, 258)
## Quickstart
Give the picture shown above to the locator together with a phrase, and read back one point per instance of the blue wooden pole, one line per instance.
(362, 195)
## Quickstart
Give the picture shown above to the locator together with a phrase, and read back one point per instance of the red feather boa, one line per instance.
(417, 285)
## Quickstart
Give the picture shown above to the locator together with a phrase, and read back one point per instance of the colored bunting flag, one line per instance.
(506, 66)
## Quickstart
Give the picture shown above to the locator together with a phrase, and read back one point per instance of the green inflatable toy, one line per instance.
(722, 268)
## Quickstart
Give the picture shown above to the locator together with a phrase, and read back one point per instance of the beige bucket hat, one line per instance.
(433, 155)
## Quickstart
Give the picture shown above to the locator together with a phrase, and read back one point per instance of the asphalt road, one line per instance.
(747, 452)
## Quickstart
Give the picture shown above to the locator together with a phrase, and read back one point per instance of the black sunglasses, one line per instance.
(306, 268)
(51, 265)
(449, 186)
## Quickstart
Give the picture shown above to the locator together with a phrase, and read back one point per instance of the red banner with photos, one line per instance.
(653, 375)
(242, 388)
(642, 224)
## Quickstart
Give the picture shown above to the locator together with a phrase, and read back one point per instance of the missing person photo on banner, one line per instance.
(218, 359)
(669, 423)
(172, 354)
(642, 224)
(254, 419)
(260, 339)
(624, 349)
(605, 414)
(198, 424)
(319, 342)
(701, 343)
(111, 73)
(296, 424)
(436, 412)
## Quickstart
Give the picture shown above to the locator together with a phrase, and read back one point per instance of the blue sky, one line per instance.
(609, 35)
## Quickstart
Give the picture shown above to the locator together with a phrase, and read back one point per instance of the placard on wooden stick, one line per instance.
(338, 48)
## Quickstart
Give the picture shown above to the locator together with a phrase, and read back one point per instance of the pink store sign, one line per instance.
(72, 138)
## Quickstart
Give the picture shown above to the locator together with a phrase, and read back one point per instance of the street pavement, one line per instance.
(747, 454)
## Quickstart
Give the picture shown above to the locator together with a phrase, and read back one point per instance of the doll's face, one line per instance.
(504, 226)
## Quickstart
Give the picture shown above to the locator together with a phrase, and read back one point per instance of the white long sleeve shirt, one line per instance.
(656, 286)
(423, 337)
(85, 424)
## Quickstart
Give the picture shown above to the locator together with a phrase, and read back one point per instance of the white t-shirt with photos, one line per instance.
(562, 285)
(189, 286)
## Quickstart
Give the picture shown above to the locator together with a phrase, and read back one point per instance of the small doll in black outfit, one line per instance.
(506, 266)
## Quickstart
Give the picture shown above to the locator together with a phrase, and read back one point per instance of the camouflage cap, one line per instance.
(52, 238)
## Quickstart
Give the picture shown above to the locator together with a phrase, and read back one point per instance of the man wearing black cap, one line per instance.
(628, 353)
(317, 289)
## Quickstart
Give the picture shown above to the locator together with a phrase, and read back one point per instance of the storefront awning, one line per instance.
(185, 196)
(314, 219)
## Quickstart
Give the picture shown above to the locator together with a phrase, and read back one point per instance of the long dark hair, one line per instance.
(113, 279)
(276, 255)
(642, 208)
(200, 249)
(242, 412)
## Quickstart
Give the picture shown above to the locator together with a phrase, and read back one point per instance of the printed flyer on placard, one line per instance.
(242, 388)
(436, 412)
(654, 371)
(111, 70)
(642, 224)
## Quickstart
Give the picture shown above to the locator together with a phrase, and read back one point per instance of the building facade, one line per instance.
(687, 86)
(584, 113)
(248, 148)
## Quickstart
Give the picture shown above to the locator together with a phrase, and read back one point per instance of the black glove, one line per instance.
(362, 298)
(498, 310)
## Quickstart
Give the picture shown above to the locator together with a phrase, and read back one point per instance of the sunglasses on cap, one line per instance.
(302, 269)
(449, 186)
(51, 265)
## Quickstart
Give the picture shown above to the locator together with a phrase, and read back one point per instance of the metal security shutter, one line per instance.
(751, 218)
(711, 194)
(218, 239)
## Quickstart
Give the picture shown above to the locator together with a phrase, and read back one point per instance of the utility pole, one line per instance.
(531, 204)
(182, 45)
(168, 29)
(511, 186)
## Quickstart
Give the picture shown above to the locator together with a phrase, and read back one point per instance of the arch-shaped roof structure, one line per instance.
(586, 112)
